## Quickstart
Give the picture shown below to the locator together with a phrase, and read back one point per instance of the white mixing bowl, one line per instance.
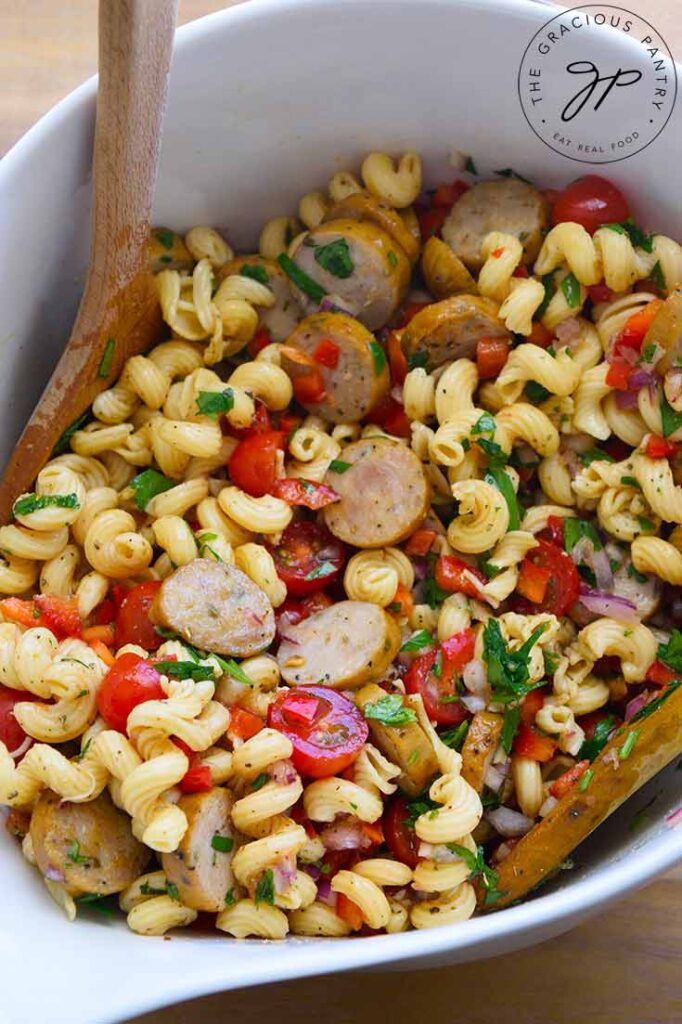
(266, 100)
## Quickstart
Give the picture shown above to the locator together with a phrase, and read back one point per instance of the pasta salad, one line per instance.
(363, 578)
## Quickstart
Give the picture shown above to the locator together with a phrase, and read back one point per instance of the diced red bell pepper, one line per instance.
(327, 353)
(530, 743)
(420, 542)
(261, 339)
(402, 603)
(453, 574)
(599, 292)
(447, 195)
(396, 358)
(60, 614)
(197, 778)
(618, 374)
(533, 580)
(660, 674)
(491, 355)
(531, 704)
(244, 724)
(458, 650)
(660, 448)
(521, 271)
(391, 417)
(349, 912)
(555, 526)
(410, 311)
(540, 335)
(561, 786)
(304, 492)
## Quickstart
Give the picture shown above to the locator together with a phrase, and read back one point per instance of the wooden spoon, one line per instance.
(119, 313)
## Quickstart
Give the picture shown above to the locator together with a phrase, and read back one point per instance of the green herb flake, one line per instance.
(390, 710)
(655, 705)
(265, 890)
(173, 891)
(585, 780)
(594, 455)
(648, 353)
(165, 237)
(64, 442)
(570, 286)
(392, 258)
(74, 855)
(223, 844)
(671, 652)
(485, 424)
(95, 901)
(508, 670)
(500, 480)
(320, 571)
(577, 529)
(256, 271)
(259, 781)
(600, 737)
(549, 284)
(417, 360)
(419, 641)
(339, 466)
(646, 524)
(107, 359)
(335, 258)
(536, 393)
(629, 745)
(630, 481)
(454, 738)
(414, 757)
(311, 288)
(670, 420)
(379, 357)
(33, 503)
(147, 485)
(415, 808)
(470, 166)
(635, 234)
(151, 890)
(510, 725)
(635, 574)
(229, 898)
(477, 867)
(508, 172)
(185, 670)
(215, 403)
(658, 277)
(236, 671)
(495, 454)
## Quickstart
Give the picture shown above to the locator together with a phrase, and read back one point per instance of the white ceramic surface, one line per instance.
(267, 100)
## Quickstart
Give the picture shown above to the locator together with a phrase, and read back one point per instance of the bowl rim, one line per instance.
(542, 914)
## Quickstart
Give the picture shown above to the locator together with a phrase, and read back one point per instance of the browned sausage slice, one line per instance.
(512, 206)
(452, 328)
(407, 746)
(358, 265)
(482, 740)
(281, 318)
(347, 644)
(88, 847)
(384, 494)
(363, 206)
(201, 867)
(215, 607)
(540, 852)
(360, 378)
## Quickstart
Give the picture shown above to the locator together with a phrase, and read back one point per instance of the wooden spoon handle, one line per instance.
(119, 313)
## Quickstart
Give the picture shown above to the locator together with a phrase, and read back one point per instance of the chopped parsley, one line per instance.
(635, 234)
(417, 642)
(265, 890)
(485, 424)
(635, 574)
(600, 737)
(654, 705)
(338, 466)
(379, 357)
(185, 670)
(311, 288)
(95, 901)
(417, 360)
(421, 805)
(495, 454)
(74, 855)
(594, 455)
(570, 286)
(670, 419)
(151, 890)
(229, 898)
(658, 277)
(507, 172)
(259, 781)
(574, 531)
(147, 485)
(165, 237)
(392, 258)
(630, 481)
(107, 358)
(235, 670)
(671, 652)
(414, 757)
(508, 670)
(390, 710)
(648, 353)
(454, 738)
(34, 503)
(500, 480)
(215, 403)
(536, 393)
(320, 571)
(335, 258)
(628, 745)
(470, 166)
(64, 442)
(223, 844)
(478, 868)
(256, 272)
(204, 541)
(646, 524)
(510, 725)
(549, 284)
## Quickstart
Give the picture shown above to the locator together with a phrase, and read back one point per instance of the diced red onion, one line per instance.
(283, 875)
(420, 566)
(22, 748)
(313, 871)
(627, 399)
(493, 778)
(568, 330)
(510, 824)
(584, 553)
(641, 378)
(475, 678)
(54, 874)
(473, 703)
(325, 893)
(601, 603)
(345, 834)
(636, 704)
(330, 304)
(283, 773)
(674, 819)
(548, 805)
(503, 851)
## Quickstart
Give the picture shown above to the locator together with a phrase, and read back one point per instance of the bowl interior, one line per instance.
(266, 101)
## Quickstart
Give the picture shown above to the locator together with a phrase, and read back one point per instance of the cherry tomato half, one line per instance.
(563, 585)
(307, 557)
(491, 355)
(293, 611)
(130, 681)
(133, 625)
(434, 675)
(591, 201)
(11, 733)
(326, 729)
(253, 463)
(401, 838)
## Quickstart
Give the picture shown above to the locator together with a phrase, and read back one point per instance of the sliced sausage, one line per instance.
(482, 740)
(88, 847)
(444, 273)
(666, 332)
(451, 329)
(215, 607)
(384, 494)
(347, 644)
(365, 272)
(407, 746)
(360, 378)
(363, 206)
(281, 318)
(201, 867)
(511, 206)
(538, 854)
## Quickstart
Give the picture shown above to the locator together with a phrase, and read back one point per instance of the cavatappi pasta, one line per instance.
(339, 589)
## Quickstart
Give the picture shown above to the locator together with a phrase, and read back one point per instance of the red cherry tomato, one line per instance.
(434, 675)
(307, 557)
(591, 201)
(327, 353)
(530, 743)
(308, 493)
(326, 729)
(11, 733)
(133, 625)
(659, 448)
(491, 355)
(253, 463)
(401, 838)
(599, 292)
(660, 674)
(130, 681)
(563, 585)
(261, 339)
(197, 778)
(60, 614)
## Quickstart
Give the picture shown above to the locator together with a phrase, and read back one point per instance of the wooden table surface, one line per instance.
(623, 966)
